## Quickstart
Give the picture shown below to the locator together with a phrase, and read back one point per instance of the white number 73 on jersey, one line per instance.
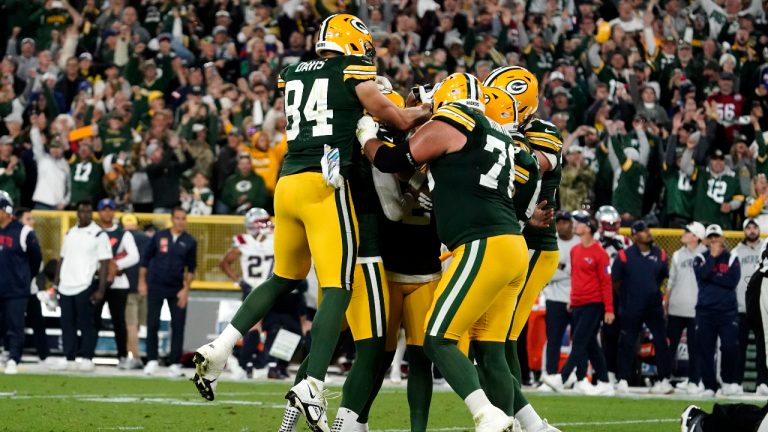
(316, 108)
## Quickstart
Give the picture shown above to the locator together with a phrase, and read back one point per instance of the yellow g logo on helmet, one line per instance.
(346, 35)
(521, 84)
(501, 107)
(461, 88)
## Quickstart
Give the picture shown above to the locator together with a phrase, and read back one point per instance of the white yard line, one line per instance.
(573, 424)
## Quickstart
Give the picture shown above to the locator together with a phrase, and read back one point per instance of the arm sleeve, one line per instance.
(388, 190)
(131, 257)
(687, 166)
(645, 147)
(605, 282)
(149, 252)
(104, 251)
(191, 258)
(616, 155)
(617, 270)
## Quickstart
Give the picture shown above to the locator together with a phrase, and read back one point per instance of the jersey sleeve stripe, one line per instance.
(544, 136)
(544, 145)
(520, 179)
(522, 171)
(359, 68)
(454, 119)
(360, 76)
(459, 113)
(627, 165)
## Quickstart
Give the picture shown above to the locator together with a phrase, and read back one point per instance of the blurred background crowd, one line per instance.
(156, 104)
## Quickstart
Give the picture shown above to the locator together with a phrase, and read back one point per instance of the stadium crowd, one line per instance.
(158, 104)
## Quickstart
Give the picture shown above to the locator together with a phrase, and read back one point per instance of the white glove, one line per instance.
(331, 164)
(425, 201)
(426, 96)
(367, 129)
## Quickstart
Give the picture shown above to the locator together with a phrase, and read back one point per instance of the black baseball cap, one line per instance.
(717, 154)
(563, 215)
(639, 226)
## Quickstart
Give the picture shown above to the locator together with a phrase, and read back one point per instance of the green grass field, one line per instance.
(80, 403)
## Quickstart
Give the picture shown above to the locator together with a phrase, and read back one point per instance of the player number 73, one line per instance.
(507, 152)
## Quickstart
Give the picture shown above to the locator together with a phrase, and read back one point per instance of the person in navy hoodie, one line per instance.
(638, 273)
(717, 273)
(20, 258)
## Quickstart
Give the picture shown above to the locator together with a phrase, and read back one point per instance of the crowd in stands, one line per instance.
(158, 104)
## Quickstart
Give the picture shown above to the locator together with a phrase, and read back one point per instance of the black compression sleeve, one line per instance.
(393, 159)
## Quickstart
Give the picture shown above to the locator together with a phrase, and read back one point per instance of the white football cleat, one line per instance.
(585, 387)
(622, 387)
(175, 371)
(492, 419)
(86, 366)
(555, 382)
(290, 419)
(11, 367)
(662, 387)
(762, 390)
(311, 402)
(209, 362)
(151, 367)
(545, 427)
(603, 388)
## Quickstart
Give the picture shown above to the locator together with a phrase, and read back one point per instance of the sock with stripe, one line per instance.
(383, 367)
(325, 330)
(419, 387)
(456, 368)
(260, 301)
(510, 351)
(499, 382)
(360, 385)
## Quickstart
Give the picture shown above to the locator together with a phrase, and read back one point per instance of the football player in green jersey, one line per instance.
(314, 214)
(545, 140)
(471, 174)
(501, 107)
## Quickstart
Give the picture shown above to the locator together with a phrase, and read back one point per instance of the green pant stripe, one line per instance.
(531, 265)
(457, 290)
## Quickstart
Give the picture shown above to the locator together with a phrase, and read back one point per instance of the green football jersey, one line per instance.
(527, 179)
(711, 192)
(472, 189)
(322, 108)
(678, 192)
(115, 141)
(86, 181)
(630, 183)
(546, 138)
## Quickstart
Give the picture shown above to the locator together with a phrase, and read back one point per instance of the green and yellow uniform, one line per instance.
(86, 177)
(543, 254)
(711, 192)
(527, 179)
(630, 184)
(368, 310)
(312, 219)
(472, 192)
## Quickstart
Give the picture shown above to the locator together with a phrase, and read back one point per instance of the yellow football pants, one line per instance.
(314, 220)
(409, 304)
(478, 291)
(541, 267)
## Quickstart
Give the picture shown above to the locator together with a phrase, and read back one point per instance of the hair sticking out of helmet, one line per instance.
(609, 219)
(345, 34)
(258, 221)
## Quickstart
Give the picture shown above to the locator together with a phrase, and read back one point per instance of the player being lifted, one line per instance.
(502, 108)
(314, 216)
(471, 173)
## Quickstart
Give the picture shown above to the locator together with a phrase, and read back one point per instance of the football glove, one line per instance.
(331, 166)
(425, 201)
(367, 129)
